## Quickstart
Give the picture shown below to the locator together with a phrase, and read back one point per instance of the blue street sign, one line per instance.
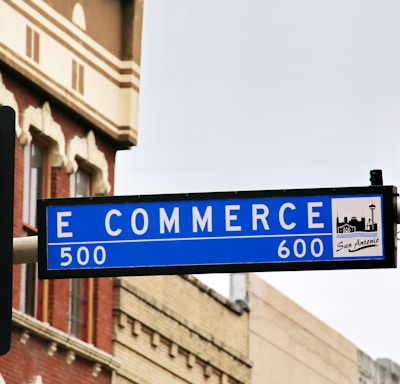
(218, 232)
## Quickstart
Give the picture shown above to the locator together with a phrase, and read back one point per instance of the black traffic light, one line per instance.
(7, 153)
(375, 177)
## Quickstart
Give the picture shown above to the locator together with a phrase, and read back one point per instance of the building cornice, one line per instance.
(58, 339)
(109, 97)
(123, 314)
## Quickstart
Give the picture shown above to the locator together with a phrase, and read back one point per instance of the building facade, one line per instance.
(175, 329)
(380, 371)
(71, 71)
(75, 90)
(289, 345)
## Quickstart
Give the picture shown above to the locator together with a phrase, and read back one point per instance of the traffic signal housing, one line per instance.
(375, 177)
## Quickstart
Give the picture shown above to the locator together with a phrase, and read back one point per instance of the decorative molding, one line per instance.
(214, 369)
(42, 120)
(25, 335)
(121, 78)
(124, 284)
(70, 357)
(191, 360)
(122, 320)
(173, 350)
(155, 339)
(36, 380)
(136, 328)
(85, 149)
(224, 379)
(7, 98)
(78, 16)
(207, 370)
(196, 347)
(96, 369)
(45, 331)
(52, 348)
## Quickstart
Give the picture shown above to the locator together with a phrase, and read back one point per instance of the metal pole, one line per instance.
(25, 250)
(398, 214)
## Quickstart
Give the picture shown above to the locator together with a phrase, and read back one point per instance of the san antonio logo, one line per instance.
(358, 226)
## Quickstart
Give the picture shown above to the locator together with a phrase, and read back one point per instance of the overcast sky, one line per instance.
(260, 94)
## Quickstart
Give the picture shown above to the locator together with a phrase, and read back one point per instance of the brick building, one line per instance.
(175, 329)
(75, 91)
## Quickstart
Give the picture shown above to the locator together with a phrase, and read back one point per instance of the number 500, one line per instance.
(83, 255)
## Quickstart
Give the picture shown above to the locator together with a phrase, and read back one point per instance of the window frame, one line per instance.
(29, 199)
(32, 289)
(81, 290)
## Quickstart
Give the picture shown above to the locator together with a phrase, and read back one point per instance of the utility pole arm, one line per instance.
(25, 250)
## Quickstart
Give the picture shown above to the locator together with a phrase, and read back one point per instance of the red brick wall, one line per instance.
(103, 299)
(27, 95)
(59, 303)
(24, 361)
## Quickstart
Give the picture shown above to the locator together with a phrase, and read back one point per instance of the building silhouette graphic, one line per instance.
(357, 225)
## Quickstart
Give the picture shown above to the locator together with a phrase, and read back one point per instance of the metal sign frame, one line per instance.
(384, 208)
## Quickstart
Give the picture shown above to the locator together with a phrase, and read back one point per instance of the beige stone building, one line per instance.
(175, 329)
(288, 345)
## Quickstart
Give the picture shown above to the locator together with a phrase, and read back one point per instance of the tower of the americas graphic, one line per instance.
(372, 225)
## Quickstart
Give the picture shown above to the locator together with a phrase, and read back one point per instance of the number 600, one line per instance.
(300, 248)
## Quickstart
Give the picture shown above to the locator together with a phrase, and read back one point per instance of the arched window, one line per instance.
(85, 151)
(35, 185)
(78, 16)
(88, 169)
(44, 147)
